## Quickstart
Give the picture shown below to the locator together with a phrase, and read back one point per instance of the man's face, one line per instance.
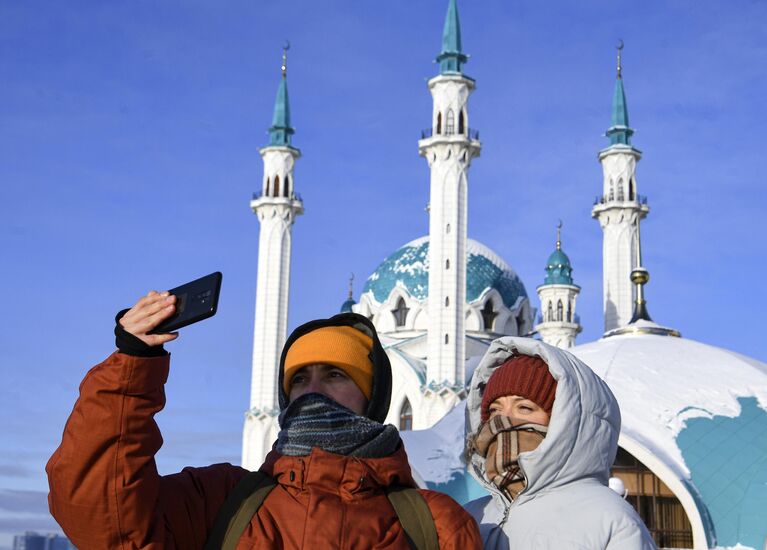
(520, 410)
(331, 382)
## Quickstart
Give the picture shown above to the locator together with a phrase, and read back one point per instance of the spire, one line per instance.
(281, 131)
(640, 277)
(346, 307)
(451, 57)
(619, 131)
(558, 268)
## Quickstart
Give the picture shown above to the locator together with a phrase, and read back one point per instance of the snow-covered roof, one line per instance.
(662, 382)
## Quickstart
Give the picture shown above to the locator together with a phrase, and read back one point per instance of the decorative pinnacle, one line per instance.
(559, 235)
(640, 277)
(619, 47)
(351, 286)
(285, 49)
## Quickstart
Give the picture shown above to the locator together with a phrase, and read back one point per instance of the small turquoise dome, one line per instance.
(558, 269)
(346, 307)
(409, 267)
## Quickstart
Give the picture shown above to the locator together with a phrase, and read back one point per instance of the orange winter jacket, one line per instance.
(105, 491)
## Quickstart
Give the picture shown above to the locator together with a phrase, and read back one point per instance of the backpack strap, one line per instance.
(238, 509)
(415, 517)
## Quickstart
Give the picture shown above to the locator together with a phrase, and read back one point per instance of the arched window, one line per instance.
(439, 123)
(569, 311)
(488, 315)
(449, 122)
(611, 196)
(400, 313)
(631, 189)
(447, 338)
(559, 310)
(406, 416)
(447, 301)
(656, 504)
(549, 312)
(267, 186)
(460, 123)
(447, 263)
(447, 228)
(620, 190)
(276, 186)
(286, 192)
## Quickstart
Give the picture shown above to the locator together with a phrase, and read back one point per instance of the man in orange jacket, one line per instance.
(334, 462)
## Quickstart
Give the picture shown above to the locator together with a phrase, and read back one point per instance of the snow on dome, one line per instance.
(662, 382)
(699, 413)
(408, 266)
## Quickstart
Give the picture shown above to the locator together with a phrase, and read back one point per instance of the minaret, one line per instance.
(559, 325)
(448, 146)
(619, 210)
(276, 206)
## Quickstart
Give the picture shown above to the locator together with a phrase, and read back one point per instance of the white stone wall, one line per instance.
(553, 330)
(617, 213)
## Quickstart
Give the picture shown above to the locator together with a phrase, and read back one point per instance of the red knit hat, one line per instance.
(521, 375)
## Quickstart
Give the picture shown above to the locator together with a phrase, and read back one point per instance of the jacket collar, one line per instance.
(350, 477)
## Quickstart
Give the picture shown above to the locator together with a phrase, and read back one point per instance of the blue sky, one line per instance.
(129, 136)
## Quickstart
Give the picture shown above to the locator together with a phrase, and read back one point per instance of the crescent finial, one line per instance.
(619, 47)
(285, 49)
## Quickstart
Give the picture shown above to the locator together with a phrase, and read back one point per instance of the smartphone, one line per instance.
(195, 301)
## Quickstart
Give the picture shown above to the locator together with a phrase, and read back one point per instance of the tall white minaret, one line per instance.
(276, 206)
(619, 210)
(449, 146)
(559, 324)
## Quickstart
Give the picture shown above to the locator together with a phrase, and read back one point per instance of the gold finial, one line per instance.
(351, 286)
(285, 49)
(619, 47)
(559, 235)
(640, 277)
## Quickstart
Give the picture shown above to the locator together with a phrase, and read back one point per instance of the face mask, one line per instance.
(500, 442)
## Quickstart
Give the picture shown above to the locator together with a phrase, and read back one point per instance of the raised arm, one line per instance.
(105, 491)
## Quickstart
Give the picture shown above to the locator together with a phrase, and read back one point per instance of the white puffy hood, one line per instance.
(582, 439)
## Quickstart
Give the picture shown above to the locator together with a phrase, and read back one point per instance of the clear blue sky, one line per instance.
(129, 136)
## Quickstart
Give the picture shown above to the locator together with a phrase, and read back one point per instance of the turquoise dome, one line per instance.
(346, 307)
(558, 269)
(409, 266)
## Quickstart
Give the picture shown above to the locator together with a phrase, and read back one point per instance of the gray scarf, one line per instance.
(314, 420)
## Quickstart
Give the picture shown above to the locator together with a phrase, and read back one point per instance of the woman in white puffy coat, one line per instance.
(561, 500)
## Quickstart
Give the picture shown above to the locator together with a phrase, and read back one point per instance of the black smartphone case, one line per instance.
(195, 301)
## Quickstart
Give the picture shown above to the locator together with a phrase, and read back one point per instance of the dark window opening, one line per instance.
(400, 313)
(460, 123)
(439, 123)
(559, 310)
(488, 315)
(450, 123)
(550, 312)
(276, 186)
(406, 416)
(656, 504)
(286, 192)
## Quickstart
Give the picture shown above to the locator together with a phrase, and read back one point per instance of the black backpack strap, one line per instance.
(238, 509)
(415, 517)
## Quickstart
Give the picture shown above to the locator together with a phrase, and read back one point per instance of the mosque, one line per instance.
(692, 453)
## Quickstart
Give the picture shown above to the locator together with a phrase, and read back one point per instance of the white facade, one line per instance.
(276, 208)
(618, 211)
(558, 325)
(449, 152)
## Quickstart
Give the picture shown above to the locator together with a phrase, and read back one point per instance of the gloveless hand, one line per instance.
(150, 311)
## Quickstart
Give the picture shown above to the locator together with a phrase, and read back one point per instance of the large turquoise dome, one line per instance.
(409, 266)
